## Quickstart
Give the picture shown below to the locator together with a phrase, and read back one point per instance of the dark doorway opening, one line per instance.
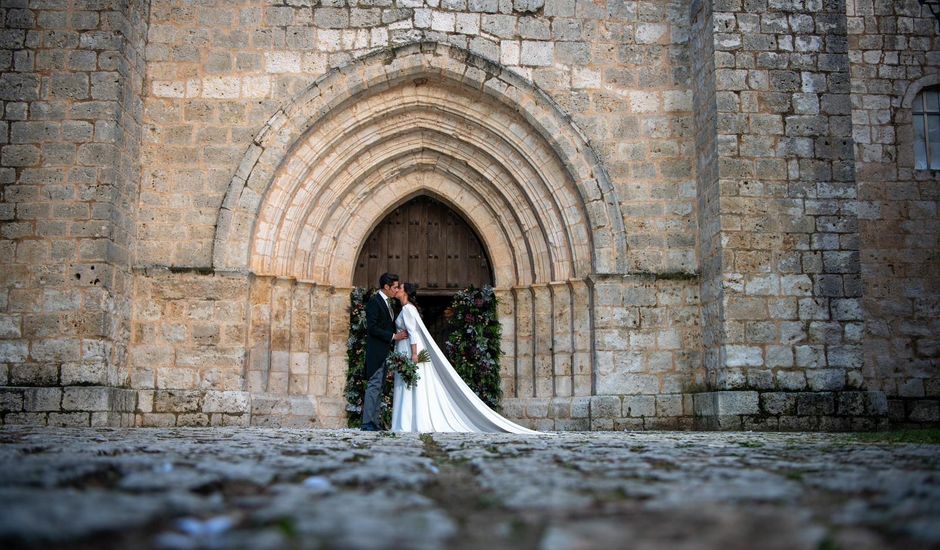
(434, 312)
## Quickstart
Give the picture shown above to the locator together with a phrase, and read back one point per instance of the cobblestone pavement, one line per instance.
(274, 488)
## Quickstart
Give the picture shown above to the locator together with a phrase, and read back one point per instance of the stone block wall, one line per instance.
(752, 147)
(68, 406)
(215, 348)
(790, 411)
(717, 410)
(647, 335)
(781, 286)
(187, 350)
(297, 352)
(605, 412)
(71, 77)
(217, 71)
(894, 52)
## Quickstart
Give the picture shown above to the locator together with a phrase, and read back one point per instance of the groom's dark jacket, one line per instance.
(380, 327)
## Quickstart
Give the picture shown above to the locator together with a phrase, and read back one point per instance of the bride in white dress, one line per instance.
(440, 401)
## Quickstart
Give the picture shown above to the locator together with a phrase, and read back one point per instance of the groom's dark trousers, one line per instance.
(380, 327)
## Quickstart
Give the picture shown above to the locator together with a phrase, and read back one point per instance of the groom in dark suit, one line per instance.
(380, 339)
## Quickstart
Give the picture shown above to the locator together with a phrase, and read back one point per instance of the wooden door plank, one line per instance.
(452, 253)
(417, 243)
(397, 256)
(435, 249)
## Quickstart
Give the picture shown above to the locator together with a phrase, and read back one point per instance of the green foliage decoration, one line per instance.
(356, 360)
(473, 345)
(473, 349)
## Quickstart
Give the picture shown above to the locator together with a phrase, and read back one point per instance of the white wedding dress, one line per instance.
(440, 401)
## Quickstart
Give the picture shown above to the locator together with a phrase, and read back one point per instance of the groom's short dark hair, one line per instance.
(387, 279)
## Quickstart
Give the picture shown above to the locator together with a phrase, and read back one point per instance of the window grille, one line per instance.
(926, 111)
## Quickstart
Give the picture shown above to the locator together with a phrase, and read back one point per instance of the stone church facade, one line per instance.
(696, 214)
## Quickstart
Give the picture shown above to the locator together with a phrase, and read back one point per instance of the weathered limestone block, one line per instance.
(537, 407)
(726, 403)
(669, 405)
(639, 405)
(226, 402)
(177, 401)
(43, 399)
(512, 408)
(11, 400)
(93, 398)
(606, 406)
(821, 403)
(778, 403)
(925, 411)
(73, 419)
(580, 407)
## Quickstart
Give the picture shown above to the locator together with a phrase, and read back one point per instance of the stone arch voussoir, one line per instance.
(592, 211)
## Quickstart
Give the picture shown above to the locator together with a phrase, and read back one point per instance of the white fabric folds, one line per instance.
(440, 401)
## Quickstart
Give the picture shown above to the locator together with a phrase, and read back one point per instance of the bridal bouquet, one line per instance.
(405, 367)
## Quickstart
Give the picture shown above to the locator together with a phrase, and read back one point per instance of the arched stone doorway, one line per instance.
(426, 242)
(423, 119)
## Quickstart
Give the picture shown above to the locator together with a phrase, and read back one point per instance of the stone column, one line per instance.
(562, 339)
(320, 340)
(524, 338)
(777, 198)
(331, 409)
(259, 334)
(339, 334)
(581, 328)
(542, 321)
(507, 319)
(299, 382)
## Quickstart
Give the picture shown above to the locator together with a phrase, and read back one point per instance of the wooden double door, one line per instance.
(426, 242)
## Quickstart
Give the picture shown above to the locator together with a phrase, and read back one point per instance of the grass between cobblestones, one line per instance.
(480, 516)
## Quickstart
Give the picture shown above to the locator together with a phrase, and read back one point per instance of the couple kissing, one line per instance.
(440, 401)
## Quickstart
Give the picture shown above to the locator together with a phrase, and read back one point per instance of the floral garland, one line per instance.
(356, 358)
(473, 348)
(473, 345)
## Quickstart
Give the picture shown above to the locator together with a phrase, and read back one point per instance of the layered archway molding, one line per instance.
(323, 156)
(432, 119)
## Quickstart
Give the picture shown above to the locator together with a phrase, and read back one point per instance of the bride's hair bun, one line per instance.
(411, 290)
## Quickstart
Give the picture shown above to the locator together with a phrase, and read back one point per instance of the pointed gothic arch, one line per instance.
(434, 119)
(413, 98)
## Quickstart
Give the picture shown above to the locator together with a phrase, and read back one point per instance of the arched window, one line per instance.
(926, 111)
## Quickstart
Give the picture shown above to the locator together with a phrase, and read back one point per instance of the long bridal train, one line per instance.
(440, 401)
